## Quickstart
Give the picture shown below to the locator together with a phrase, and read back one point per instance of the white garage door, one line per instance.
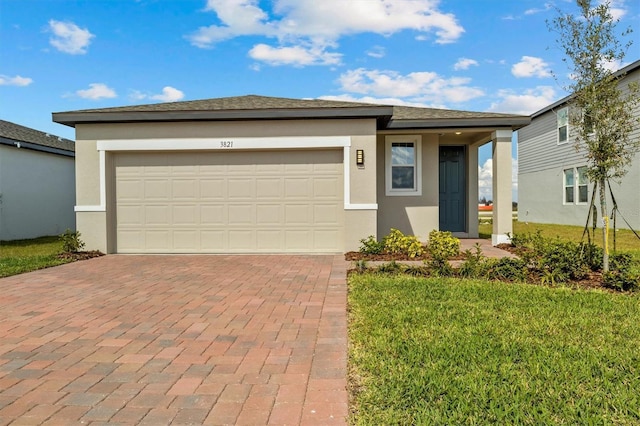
(230, 202)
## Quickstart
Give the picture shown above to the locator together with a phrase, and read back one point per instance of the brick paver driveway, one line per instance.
(176, 339)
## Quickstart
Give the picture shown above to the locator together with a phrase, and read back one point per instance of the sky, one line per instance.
(475, 55)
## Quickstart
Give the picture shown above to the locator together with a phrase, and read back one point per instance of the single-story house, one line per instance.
(37, 178)
(552, 183)
(254, 174)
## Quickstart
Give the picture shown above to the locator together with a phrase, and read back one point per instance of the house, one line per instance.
(37, 177)
(552, 185)
(254, 174)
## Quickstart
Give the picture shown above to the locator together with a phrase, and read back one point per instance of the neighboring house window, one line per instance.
(575, 180)
(563, 125)
(569, 186)
(583, 182)
(403, 173)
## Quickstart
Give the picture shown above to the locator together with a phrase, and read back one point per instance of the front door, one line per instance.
(452, 189)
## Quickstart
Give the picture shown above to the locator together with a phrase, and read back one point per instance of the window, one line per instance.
(575, 180)
(402, 158)
(569, 186)
(563, 125)
(583, 182)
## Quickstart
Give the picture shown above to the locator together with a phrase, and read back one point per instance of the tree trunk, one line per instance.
(605, 226)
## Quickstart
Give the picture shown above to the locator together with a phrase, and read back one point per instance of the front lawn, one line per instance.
(17, 257)
(453, 351)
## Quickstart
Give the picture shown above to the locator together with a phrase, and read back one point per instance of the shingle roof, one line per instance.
(263, 107)
(18, 133)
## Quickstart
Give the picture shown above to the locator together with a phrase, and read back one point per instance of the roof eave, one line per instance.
(73, 118)
(459, 123)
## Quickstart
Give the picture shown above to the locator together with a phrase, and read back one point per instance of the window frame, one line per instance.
(565, 186)
(578, 172)
(416, 190)
(562, 111)
(578, 175)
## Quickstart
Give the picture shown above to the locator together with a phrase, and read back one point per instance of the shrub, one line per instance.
(390, 268)
(620, 276)
(474, 264)
(506, 269)
(71, 242)
(398, 243)
(370, 245)
(442, 245)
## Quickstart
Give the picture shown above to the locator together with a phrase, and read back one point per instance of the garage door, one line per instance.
(229, 202)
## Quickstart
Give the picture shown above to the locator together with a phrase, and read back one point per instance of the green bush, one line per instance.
(398, 243)
(620, 276)
(442, 245)
(371, 245)
(71, 242)
(474, 264)
(555, 260)
(506, 269)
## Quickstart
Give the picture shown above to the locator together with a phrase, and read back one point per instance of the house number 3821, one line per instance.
(226, 144)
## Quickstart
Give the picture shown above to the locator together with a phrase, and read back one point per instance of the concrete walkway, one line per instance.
(176, 340)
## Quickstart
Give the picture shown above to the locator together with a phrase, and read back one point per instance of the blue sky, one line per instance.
(481, 55)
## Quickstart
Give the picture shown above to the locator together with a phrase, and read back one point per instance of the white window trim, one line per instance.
(558, 127)
(577, 188)
(565, 186)
(417, 191)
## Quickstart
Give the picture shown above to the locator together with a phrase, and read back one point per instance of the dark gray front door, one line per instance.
(452, 189)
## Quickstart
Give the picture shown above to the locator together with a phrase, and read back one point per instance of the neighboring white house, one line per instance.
(37, 183)
(552, 185)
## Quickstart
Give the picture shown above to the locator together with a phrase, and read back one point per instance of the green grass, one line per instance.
(439, 351)
(17, 257)
(626, 241)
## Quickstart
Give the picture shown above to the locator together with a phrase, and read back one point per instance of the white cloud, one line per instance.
(320, 24)
(374, 100)
(617, 8)
(485, 179)
(18, 80)
(464, 64)
(293, 55)
(377, 52)
(69, 38)
(526, 103)
(169, 94)
(534, 11)
(425, 87)
(530, 66)
(97, 91)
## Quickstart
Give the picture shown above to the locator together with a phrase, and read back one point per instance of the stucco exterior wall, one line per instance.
(36, 193)
(97, 226)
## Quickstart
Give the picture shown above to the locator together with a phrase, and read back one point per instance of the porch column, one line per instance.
(502, 199)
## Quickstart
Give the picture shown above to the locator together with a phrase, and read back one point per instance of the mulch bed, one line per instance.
(80, 255)
(592, 281)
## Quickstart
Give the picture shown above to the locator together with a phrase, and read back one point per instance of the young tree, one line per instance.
(601, 115)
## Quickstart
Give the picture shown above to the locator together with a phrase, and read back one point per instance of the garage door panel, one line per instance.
(269, 214)
(241, 189)
(213, 215)
(185, 215)
(157, 190)
(185, 190)
(213, 240)
(238, 202)
(213, 189)
(241, 214)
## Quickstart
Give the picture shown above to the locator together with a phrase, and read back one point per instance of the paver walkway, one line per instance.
(176, 340)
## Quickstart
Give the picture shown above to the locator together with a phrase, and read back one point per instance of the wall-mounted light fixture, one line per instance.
(360, 157)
